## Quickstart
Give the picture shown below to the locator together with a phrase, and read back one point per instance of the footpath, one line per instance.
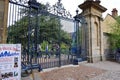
(113, 70)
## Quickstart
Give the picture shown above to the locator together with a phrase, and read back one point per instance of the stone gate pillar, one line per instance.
(3, 20)
(92, 11)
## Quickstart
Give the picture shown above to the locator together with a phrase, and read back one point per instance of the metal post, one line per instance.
(29, 41)
(77, 38)
(29, 36)
(77, 20)
(36, 35)
(59, 43)
(33, 5)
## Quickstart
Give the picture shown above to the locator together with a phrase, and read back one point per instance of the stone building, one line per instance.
(94, 33)
(106, 29)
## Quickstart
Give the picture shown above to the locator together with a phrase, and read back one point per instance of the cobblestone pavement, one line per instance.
(110, 75)
(106, 65)
(80, 72)
(113, 70)
(36, 77)
(71, 72)
(86, 71)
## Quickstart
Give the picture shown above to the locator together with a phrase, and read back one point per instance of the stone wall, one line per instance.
(3, 20)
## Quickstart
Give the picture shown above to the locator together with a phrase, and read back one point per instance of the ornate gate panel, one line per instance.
(41, 31)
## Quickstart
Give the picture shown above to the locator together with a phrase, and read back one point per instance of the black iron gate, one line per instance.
(39, 29)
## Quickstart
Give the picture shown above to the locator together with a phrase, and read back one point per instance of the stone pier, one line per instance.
(92, 11)
(3, 20)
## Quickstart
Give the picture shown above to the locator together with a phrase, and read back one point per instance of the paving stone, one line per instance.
(96, 71)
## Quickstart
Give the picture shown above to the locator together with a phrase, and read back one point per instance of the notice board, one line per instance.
(10, 61)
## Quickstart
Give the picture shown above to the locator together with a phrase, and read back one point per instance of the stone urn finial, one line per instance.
(97, 1)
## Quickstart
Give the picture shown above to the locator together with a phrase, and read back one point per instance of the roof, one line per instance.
(107, 23)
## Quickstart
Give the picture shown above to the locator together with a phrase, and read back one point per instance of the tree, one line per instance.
(17, 33)
(115, 35)
(48, 29)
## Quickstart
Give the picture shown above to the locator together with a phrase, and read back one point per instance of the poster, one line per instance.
(10, 62)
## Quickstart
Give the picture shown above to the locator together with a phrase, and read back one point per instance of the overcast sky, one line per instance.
(72, 5)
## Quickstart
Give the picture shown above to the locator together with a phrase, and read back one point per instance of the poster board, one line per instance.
(10, 61)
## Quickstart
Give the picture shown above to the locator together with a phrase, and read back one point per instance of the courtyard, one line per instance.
(105, 70)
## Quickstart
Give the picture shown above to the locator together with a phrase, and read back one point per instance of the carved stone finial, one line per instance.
(97, 1)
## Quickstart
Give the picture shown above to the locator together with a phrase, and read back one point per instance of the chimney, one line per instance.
(114, 12)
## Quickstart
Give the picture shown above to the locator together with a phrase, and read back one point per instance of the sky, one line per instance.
(72, 5)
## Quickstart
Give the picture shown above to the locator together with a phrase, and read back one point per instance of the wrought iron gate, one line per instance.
(38, 28)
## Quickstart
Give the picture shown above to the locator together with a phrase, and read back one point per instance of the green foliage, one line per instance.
(64, 46)
(49, 30)
(43, 45)
(17, 33)
(115, 35)
(65, 37)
